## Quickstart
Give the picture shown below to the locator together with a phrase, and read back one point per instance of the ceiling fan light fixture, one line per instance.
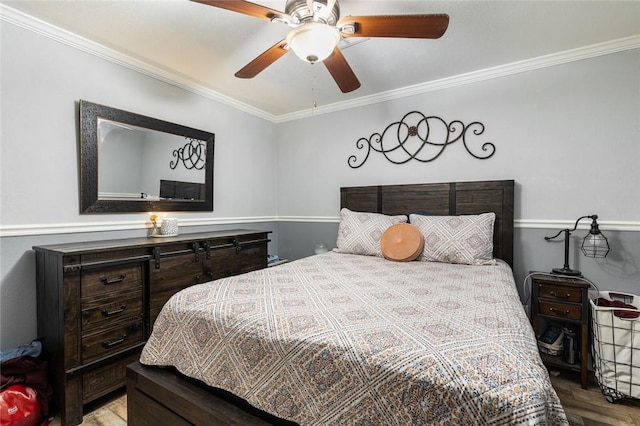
(313, 41)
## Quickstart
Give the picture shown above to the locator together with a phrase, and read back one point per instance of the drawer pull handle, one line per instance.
(109, 344)
(107, 281)
(560, 311)
(107, 313)
(560, 295)
(207, 249)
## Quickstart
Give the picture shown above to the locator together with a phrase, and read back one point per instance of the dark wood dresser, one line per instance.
(97, 301)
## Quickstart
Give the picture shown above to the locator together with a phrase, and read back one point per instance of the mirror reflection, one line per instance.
(135, 163)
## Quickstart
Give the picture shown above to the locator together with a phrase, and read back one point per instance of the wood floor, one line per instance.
(108, 411)
(583, 407)
(589, 407)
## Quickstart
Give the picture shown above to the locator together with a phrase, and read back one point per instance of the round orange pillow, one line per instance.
(402, 242)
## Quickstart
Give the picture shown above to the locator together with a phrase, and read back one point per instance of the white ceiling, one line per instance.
(206, 46)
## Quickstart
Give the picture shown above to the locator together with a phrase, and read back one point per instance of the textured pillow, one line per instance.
(423, 213)
(360, 232)
(402, 243)
(466, 239)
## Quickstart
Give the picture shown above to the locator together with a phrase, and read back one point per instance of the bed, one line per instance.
(351, 338)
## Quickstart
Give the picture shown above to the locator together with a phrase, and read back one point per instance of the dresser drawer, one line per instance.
(103, 343)
(560, 293)
(221, 264)
(108, 378)
(98, 282)
(560, 310)
(252, 257)
(106, 312)
(174, 274)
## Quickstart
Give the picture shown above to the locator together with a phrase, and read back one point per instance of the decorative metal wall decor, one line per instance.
(421, 138)
(193, 155)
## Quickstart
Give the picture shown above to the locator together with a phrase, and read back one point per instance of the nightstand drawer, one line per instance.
(561, 310)
(560, 293)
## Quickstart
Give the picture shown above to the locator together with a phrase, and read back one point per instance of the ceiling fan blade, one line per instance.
(341, 71)
(265, 59)
(247, 8)
(400, 26)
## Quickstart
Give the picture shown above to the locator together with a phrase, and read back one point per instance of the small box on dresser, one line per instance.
(97, 302)
(562, 300)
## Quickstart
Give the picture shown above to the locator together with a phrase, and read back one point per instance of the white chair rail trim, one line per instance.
(125, 225)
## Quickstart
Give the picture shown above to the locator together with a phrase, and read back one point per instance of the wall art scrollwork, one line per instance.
(193, 155)
(421, 138)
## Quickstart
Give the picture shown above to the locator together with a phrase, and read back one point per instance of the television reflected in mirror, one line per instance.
(134, 163)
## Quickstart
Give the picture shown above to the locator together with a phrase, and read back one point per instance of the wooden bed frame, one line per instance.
(454, 198)
(163, 396)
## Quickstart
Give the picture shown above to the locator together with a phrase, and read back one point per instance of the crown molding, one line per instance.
(75, 41)
(601, 49)
(45, 29)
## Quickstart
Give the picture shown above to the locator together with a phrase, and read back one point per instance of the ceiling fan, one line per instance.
(316, 29)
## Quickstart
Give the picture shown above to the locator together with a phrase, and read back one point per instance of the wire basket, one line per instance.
(615, 320)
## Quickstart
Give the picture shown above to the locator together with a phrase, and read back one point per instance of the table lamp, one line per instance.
(594, 244)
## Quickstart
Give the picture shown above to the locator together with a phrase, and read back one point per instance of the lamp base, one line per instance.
(567, 271)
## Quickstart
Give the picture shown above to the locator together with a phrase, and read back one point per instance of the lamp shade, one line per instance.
(595, 244)
(313, 41)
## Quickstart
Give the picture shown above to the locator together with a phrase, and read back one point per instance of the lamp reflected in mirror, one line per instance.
(594, 245)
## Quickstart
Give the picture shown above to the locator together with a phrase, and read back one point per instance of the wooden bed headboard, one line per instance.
(453, 198)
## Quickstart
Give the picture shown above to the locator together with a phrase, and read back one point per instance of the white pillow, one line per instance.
(465, 239)
(360, 232)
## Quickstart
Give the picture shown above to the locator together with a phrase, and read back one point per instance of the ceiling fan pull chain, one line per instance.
(314, 104)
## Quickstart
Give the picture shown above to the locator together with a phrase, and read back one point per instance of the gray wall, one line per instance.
(42, 80)
(620, 270)
(285, 177)
(569, 135)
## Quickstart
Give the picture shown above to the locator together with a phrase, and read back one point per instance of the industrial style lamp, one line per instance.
(594, 244)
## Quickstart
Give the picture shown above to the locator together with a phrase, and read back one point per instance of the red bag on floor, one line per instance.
(19, 406)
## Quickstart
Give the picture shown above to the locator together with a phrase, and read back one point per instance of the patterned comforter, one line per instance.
(341, 339)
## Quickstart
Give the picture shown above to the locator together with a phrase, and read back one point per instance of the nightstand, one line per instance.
(563, 301)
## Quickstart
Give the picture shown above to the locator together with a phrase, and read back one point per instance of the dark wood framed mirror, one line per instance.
(134, 163)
